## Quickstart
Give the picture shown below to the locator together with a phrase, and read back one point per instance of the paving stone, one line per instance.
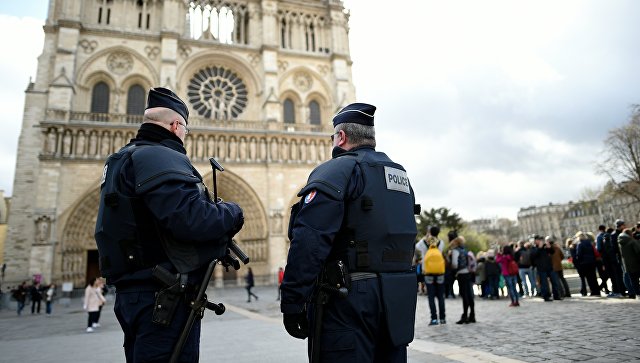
(576, 329)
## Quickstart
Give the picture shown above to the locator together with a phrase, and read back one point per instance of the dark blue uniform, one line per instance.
(155, 210)
(356, 208)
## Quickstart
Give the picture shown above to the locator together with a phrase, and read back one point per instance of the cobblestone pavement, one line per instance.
(576, 329)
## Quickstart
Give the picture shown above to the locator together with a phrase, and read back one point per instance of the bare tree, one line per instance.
(622, 157)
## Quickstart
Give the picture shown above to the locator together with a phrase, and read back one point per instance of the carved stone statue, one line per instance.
(93, 144)
(252, 149)
(42, 230)
(51, 141)
(243, 149)
(66, 144)
(211, 147)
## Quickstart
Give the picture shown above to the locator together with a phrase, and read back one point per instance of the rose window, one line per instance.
(217, 93)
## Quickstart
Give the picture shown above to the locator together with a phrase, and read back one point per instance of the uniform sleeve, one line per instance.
(173, 192)
(183, 210)
(314, 228)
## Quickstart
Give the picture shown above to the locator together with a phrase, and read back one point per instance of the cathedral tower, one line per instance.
(262, 79)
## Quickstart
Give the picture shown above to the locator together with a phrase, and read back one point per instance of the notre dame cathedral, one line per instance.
(262, 79)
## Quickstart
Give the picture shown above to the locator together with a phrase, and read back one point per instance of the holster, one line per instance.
(168, 299)
(336, 276)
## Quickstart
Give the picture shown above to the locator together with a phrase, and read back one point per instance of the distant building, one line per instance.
(564, 220)
(482, 225)
(262, 80)
(502, 229)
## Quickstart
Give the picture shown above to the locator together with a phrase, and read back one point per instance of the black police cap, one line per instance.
(163, 97)
(357, 113)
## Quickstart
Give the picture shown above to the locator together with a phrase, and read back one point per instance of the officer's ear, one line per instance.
(343, 139)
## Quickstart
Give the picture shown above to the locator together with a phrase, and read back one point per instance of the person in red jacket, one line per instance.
(280, 277)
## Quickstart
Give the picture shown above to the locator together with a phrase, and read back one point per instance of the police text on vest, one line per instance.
(397, 179)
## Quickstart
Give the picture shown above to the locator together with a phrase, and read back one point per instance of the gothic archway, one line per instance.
(77, 237)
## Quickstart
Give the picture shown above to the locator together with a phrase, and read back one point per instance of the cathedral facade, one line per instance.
(262, 80)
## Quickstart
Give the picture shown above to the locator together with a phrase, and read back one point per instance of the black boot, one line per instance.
(463, 319)
(472, 318)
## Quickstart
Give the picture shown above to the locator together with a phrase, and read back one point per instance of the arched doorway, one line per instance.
(78, 246)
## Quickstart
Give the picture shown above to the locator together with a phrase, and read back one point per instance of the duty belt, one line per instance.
(355, 276)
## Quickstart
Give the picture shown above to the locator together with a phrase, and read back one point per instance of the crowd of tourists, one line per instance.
(35, 293)
(527, 268)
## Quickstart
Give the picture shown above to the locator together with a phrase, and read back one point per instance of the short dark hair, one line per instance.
(434, 231)
(602, 227)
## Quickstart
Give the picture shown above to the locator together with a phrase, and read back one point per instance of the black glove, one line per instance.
(296, 325)
(240, 222)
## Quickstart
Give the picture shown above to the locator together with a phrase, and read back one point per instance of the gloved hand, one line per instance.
(240, 221)
(296, 325)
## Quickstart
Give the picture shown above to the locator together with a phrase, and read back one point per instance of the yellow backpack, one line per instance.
(433, 261)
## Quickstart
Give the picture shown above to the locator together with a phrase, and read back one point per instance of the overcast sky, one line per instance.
(490, 105)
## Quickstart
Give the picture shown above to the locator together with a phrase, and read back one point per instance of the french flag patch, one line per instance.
(309, 197)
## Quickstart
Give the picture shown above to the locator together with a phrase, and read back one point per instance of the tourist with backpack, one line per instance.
(450, 273)
(459, 263)
(433, 267)
(509, 269)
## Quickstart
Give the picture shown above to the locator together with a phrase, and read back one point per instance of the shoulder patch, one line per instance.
(104, 174)
(397, 179)
(309, 197)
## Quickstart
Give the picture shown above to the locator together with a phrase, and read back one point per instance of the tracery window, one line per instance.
(289, 111)
(310, 37)
(227, 23)
(217, 93)
(104, 12)
(144, 17)
(305, 32)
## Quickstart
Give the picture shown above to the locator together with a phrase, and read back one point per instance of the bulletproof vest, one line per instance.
(379, 229)
(123, 238)
(128, 237)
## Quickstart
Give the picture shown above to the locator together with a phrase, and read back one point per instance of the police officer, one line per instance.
(156, 212)
(357, 211)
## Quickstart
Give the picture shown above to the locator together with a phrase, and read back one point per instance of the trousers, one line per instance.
(145, 341)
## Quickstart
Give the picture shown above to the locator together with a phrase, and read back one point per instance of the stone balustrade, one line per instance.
(90, 136)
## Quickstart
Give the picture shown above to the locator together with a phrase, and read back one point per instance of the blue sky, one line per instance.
(490, 105)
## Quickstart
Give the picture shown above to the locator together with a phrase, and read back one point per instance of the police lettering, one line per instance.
(397, 179)
(402, 180)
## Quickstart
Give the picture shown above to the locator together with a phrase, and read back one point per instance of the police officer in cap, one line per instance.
(357, 212)
(155, 211)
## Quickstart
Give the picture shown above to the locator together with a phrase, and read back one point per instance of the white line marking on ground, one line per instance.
(458, 353)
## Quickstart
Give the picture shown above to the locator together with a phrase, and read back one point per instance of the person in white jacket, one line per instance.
(93, 299)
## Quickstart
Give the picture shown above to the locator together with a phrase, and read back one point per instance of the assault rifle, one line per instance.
(234, 255)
